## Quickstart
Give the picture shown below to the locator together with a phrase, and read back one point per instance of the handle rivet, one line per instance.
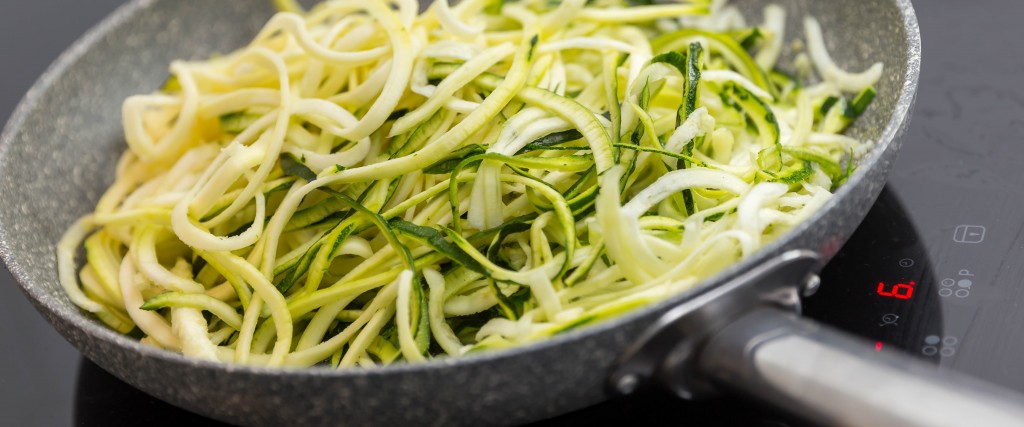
(812, 285)
(627, 384)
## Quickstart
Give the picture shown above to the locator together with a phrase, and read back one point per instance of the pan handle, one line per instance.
(833, 378)
(746, 336)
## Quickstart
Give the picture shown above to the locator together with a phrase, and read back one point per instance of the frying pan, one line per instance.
(738, 331)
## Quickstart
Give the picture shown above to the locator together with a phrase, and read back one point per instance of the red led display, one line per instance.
(898, 291)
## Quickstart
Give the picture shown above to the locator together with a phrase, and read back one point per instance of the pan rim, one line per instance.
(53, 309)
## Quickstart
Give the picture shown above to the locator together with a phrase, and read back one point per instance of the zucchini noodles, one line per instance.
(365, 184)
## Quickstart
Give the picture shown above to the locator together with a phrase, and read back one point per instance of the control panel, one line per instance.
(944, 290)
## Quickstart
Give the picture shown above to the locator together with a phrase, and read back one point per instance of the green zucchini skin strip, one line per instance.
(693, 66)
(743, 62)
(760, 113)
(435, 240)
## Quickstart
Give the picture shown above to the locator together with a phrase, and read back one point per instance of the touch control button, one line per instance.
(969, 234)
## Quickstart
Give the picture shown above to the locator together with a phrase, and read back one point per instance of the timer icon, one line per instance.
(889, 319)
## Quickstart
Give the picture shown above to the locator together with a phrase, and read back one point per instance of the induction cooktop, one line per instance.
(935, 270)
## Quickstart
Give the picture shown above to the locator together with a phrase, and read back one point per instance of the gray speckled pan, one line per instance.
(58, 153)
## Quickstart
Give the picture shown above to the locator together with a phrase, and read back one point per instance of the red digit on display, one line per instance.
(908, 290)
(899, 290)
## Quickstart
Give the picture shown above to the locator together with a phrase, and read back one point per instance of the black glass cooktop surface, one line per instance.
(935, 270)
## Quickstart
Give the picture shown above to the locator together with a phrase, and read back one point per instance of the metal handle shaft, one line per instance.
(836, 379)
